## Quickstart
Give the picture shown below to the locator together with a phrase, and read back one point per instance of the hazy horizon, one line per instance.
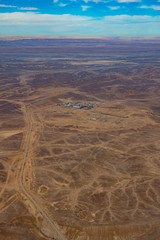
(83, 18)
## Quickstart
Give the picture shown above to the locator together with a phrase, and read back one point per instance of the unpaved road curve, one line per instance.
(57, 233)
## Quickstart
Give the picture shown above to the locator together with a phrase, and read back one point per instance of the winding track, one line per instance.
(56, 232)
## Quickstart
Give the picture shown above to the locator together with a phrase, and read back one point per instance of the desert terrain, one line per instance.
(79, 139)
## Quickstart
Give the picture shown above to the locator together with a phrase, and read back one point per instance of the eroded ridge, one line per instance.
(99, 175)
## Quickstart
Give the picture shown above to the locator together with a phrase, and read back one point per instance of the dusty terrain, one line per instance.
(69, 171)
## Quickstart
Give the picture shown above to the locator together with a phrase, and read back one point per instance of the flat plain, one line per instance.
(79, 139)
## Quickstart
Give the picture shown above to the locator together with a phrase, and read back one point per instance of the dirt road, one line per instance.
(55, 231)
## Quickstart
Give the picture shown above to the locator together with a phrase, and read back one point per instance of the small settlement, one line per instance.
(78, 105)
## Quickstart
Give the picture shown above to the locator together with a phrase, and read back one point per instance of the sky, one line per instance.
(80, 18)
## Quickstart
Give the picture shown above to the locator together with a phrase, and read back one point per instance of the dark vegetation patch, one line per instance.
(7, 107)
(3, 176)
(12, 123)
(12, 143)
(1, 166)
(42, 151)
